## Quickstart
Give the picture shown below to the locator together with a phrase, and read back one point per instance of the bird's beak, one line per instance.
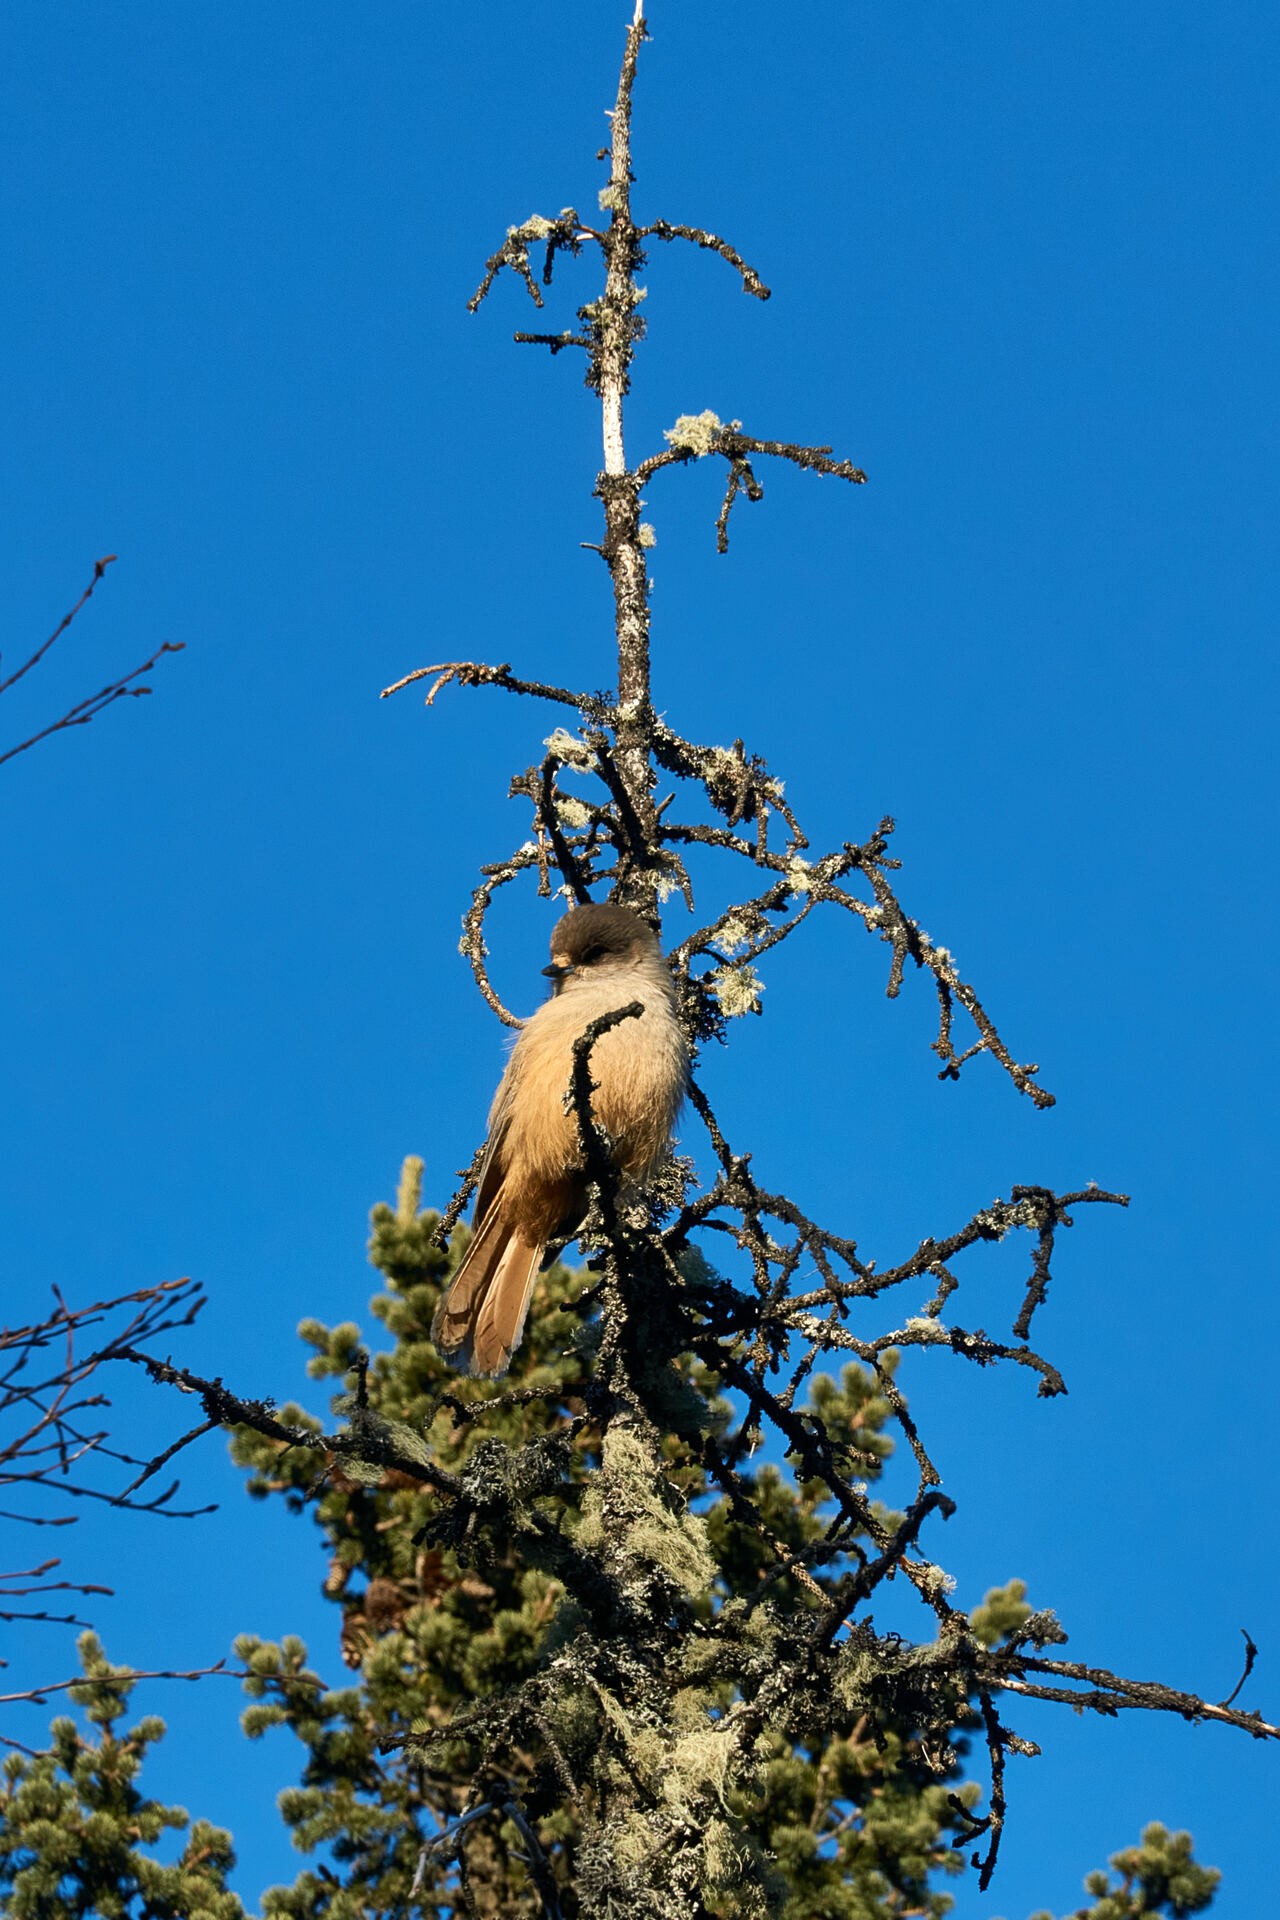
(557, 971)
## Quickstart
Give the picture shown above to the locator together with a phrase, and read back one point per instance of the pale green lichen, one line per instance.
(799, 874)
(609, 197)
(632, 1840)
(648, 535)
(568, 749)
(733, 932)
(997, 1219)
(365, 1473)
(734, 1863)
(697, 1768)
(694, 433)
(536, 227)
(691, 1772)
(574, 813)
(737, 987)
(856, 1673)
(928, 1325)
(628, 1510)
(723, 1860)
(663, 884)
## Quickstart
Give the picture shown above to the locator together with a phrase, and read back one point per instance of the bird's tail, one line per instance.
(481, 1316)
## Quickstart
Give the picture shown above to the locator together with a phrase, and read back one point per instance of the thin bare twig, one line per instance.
(99, 569)
(86, 710)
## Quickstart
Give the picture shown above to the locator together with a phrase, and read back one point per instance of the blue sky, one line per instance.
(1024, 273)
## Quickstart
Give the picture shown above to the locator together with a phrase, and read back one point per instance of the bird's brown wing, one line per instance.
(491, 1167)
(481, 1317)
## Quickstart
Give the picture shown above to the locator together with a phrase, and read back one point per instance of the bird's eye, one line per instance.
(591, 955)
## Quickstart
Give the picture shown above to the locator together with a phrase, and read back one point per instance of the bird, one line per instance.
(533, 1184)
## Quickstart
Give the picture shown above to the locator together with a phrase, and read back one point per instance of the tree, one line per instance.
(592, 1631)
(852, 1812)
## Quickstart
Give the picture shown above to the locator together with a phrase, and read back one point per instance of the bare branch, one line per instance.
(125, 1676)
(86, 710)
(99, 569)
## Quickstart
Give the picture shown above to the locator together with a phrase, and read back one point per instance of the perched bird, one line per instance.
(533, 1186)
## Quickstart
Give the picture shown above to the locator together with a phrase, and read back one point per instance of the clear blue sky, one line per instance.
(1024, 273)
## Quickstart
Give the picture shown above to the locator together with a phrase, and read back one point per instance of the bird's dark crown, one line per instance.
(591, 934)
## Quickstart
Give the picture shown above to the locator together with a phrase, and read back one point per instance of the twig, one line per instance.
(1250, 1655)
(99, 569)
(86, 710)
(124, 1677)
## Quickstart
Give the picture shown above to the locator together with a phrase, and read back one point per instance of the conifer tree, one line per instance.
(610, 1621)
(849, 1815)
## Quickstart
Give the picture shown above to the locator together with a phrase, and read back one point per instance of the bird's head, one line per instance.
(593, 941)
